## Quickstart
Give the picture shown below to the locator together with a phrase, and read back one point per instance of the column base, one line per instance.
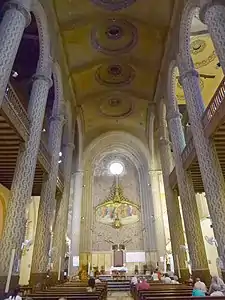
(203, 274)
(184, 273)
(13, 284)
(38, 281)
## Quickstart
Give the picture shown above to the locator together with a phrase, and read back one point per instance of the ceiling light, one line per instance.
(60, 161)
(43, 130)
(60, 154)
(14, 74)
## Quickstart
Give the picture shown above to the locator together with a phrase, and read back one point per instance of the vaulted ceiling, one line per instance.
(114, 50)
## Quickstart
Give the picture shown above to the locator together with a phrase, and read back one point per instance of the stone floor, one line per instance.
(119, 296)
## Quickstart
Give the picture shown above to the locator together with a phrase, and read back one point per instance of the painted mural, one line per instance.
(117, 210)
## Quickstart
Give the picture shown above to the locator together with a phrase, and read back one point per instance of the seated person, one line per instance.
(167, 279)
(174, 280)
(97, 280)
(143, 285)
(216, 290)
(16, 294)
(155, 276)
(199, 289)
(199, 285)
(197, 293)
(134, 280)
(91, 285)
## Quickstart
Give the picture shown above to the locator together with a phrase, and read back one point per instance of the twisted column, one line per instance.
(212, 13)
(173, 210)
(21, 188)
(209, 164)
(60, 228)
(47, 203)
(192, 225)
(76, 217)
(16, 18)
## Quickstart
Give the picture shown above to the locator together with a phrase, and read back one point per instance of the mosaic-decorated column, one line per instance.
(209, 164)
(156, 209)
(192, 225)
(47, 203)
(212, 13)
(21, 188)
(76, 218)
(61, 222)
(173, 210)
(15, 19)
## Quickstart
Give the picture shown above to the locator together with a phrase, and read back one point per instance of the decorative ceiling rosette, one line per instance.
(115, 74)
(116, 107)
(114, 36)
(113, 5)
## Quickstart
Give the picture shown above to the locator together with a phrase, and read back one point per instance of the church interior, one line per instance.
(112, 142)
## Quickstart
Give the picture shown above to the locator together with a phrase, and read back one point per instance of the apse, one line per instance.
(116, 203)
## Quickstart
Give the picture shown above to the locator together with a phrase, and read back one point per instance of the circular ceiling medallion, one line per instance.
(113, 5)
(115, 74)
(198, 46)
(116, 107)
(114, 36)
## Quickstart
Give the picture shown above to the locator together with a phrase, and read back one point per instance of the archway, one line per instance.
(123, 148)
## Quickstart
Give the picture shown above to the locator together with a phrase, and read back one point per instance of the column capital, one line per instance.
(44, 71)
(58, 118)
(22, 6)
(187, 74)
(205, 5)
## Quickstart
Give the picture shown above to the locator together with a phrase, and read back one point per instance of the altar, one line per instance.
(118, 269)
(118, 273)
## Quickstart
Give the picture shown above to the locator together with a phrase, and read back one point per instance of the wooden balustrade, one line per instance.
(14, 111)
(214, 114)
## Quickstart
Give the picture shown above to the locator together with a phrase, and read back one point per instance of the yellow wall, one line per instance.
(4, 195)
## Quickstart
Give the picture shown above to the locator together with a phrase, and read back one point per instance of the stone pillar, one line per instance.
(76, 218)
(192, 225)
(212, 13)
(21, 188)
(61, 222)
(209, 164)
(47, 202)
(156, 213)
(16, 17)
(173, 210)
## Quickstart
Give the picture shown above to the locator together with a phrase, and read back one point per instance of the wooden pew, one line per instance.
(72, 292)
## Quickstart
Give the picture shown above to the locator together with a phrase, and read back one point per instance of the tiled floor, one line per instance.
(119, 296)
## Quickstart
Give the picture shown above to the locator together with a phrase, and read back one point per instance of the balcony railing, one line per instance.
(17, 115)
(215, 111)
(15, 112)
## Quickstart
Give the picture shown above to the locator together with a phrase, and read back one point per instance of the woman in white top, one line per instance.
(199, 285)
(167, 279)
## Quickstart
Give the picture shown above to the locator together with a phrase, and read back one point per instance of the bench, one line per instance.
(74, 291)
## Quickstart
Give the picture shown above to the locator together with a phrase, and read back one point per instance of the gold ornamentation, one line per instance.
(117, 210)
(198, 46)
